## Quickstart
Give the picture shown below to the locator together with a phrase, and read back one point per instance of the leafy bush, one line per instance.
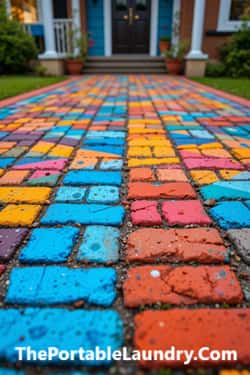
(215, 70)
(177, 51)
(17, 48)
(236, 54)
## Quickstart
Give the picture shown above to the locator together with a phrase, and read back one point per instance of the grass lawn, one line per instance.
(236, 86)
(14, 85)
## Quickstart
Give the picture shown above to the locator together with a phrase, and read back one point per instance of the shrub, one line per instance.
(17, 48)
(215, 70)
(236, 54)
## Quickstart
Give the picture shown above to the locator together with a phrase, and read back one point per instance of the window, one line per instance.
(25, 11)
(230, 14)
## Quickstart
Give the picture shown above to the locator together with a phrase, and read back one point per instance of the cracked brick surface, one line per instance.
(120, 194)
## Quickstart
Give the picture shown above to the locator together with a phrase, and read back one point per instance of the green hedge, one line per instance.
(17, 48)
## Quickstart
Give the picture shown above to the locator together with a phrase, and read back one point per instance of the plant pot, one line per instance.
(164, 46)
(174, 66)
(74, 66)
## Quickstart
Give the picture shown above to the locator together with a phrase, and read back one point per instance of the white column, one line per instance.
(76, 20)
(153, 44)
(107, 28)
(176, 22)
(197, 31)
(8, 7)
(49, 34)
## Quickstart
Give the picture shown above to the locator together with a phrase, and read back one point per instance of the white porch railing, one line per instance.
(62, 29)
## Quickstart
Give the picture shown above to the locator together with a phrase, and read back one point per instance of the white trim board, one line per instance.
(107, 13)
(224, 23)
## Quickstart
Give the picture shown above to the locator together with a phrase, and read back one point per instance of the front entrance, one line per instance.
(130, 26)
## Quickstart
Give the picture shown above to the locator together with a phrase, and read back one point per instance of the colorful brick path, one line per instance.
(125, 220)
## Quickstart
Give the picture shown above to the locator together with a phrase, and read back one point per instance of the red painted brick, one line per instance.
(203, 245)
(145, 213)
(181, 285)
(167, 190)
(193, 329)
(184, 212)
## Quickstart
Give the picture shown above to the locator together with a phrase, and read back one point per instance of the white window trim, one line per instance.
(224, 23)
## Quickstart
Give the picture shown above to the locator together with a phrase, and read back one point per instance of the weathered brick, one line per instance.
(217, 329)
(184, 212)
(140, 190)
(145, 213)
(56, 284)
(202, 245)
(10, 239)
(181, 285)
(38, 328)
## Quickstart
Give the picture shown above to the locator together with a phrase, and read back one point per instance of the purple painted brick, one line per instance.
(10, 239)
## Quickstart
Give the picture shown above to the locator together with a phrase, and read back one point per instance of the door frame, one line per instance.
(107, 6)
(153, 32)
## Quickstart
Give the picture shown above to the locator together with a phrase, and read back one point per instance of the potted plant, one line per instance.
(164, 43)
(78, 53)
(175, 57)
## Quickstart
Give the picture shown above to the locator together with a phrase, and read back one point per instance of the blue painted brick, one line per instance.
(70, 194)
(93, 178)
(103, 194)
(64, 329)
(231, 215)
(5, 162)
(111, 164)
(66, 213)
(56, 284)
(49, 245)
(100, 244)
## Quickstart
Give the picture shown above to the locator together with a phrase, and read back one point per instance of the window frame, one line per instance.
(224, 23)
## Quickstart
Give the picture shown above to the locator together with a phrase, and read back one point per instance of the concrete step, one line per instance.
(125, 64)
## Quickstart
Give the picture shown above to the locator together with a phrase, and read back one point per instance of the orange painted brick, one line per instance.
(168, 190)
(181, 285)
(203, 245)
(141, 174)
(13, 177)
(220, 329)
(171, 175)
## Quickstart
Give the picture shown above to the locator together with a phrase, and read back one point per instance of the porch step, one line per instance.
(125, 64)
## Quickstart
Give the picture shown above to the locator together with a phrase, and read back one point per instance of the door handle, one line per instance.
(130, 14)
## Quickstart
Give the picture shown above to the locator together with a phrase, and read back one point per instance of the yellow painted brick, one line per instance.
(24, 194)
(146, 131)
(133, 162)
(241, 153)
(202, 177)
(234, 372)
(163, 151)
(61, 151)
(139, 151)
(19, 215)
(42, 147)
(227, 174)
(216, 152)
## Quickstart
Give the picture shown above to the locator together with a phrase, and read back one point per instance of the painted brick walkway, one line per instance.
(125, 199)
